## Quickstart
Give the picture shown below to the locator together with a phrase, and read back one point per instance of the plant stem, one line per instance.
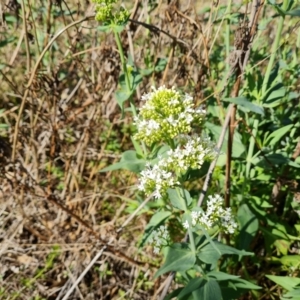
(127, 80)
(125, 71)
(191, 239)
(189, 229)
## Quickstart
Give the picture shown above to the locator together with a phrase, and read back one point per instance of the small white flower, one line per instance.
(200, 110)
(157, 194)
(215, 215)
(159, 238)
(195, 217)
(170, 119)
(186, 224)
(156, 250)
(174, 101)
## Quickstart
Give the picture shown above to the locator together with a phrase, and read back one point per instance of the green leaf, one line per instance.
(239, 147)
(244, 284)
(210, 290)
(275, 159)
(180, 198)
(122, 95)
(174, 294)
(294, 12)
(146, 72)
(277, 237)
(220, 276)
(161, 151)
(135, 77)
(213, 259)
(282, 246)
(292, 295)
(156, 220)
(290, 260)
(191, 286)
(210, 255)
(245, 103)
(252, 82)
(11, 19)
(275, 96)
(249, 226)
(106, 28)
(275, 136)
(277, 8)
(125, 92)
(129, 161)
(137, 147)
(160, 65)
(180, 258)
(118, 27)
(9, 40)
(234, 289)
(287, 282)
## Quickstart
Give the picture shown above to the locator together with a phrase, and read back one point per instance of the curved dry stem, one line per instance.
(60, 32)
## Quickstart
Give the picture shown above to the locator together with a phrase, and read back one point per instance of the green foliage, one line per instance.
(129, 161)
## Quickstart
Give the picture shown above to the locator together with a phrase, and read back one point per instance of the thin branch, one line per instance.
(135, 213)
(157, 30)
(214, 162)
(83, 273)
(26, 37)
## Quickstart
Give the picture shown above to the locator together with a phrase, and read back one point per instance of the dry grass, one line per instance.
(56, 209)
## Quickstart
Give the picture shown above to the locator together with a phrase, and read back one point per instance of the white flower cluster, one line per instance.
(159, 238)
(157, 180)
(165, 174)
(192, 154)
(215, 215)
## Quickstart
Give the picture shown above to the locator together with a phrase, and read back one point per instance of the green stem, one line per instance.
(127, 80)
(191, 239)
(190, 232)
(125, 71)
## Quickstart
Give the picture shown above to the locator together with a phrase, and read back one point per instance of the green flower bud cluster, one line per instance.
(106, 12)
(165, 115)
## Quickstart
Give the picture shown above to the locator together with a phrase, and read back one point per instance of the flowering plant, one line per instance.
(169, 125)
